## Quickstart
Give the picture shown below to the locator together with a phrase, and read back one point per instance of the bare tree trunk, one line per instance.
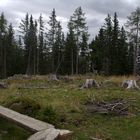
(37, 61)
(4, 62)
(72, 63)
(34, 60)
(28, 70)
(77, 62)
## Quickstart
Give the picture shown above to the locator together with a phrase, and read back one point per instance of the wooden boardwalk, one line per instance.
(27, 122)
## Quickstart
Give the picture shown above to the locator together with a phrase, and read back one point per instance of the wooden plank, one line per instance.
(27, 122)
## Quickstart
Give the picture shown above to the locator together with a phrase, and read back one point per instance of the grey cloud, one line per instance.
(96, 10)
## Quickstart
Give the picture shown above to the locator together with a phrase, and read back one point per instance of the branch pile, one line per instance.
(116, 107)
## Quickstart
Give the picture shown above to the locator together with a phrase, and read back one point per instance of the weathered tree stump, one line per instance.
(53, 77)
(3, 85)
(130, 84)
(90, 83)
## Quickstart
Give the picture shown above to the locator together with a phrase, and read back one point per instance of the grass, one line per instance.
(68, 111)
(8, 131)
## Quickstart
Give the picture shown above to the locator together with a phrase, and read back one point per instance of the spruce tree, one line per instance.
(51, 37)
(3, 47)
(79, 23)
(70, 50)
(108, 45)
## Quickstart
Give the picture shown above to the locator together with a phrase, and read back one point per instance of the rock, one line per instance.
(51, 134)
(90, 83)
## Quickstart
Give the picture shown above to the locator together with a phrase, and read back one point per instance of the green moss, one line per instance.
(9, 131)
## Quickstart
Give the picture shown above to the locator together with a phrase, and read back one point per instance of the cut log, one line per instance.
(130, 84)
(90, 83)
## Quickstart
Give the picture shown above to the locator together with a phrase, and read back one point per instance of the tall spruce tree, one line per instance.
(79, 23)
(70, 50)
(28, 28)
(51, 37)
(41, 46)
(59, 48)
(115, 50)
(3, 47)
(84, 54)
(108, 45)
(98, 52)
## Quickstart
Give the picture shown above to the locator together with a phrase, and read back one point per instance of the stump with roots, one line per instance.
(3, 85)
(90, 83)
(130, 84)
(53, 77)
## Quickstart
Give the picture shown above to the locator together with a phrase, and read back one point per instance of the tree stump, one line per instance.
(130, 84)
(53, 77)
(3, 85)
(90, 83)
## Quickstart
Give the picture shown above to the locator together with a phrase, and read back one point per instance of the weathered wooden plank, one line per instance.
(23, 120)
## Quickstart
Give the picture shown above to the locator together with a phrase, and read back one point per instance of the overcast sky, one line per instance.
(95, 10)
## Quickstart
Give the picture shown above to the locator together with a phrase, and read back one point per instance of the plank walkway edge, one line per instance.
(24, 121)
(42, 130)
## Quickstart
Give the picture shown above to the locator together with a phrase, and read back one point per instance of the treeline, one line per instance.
(42, 47)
